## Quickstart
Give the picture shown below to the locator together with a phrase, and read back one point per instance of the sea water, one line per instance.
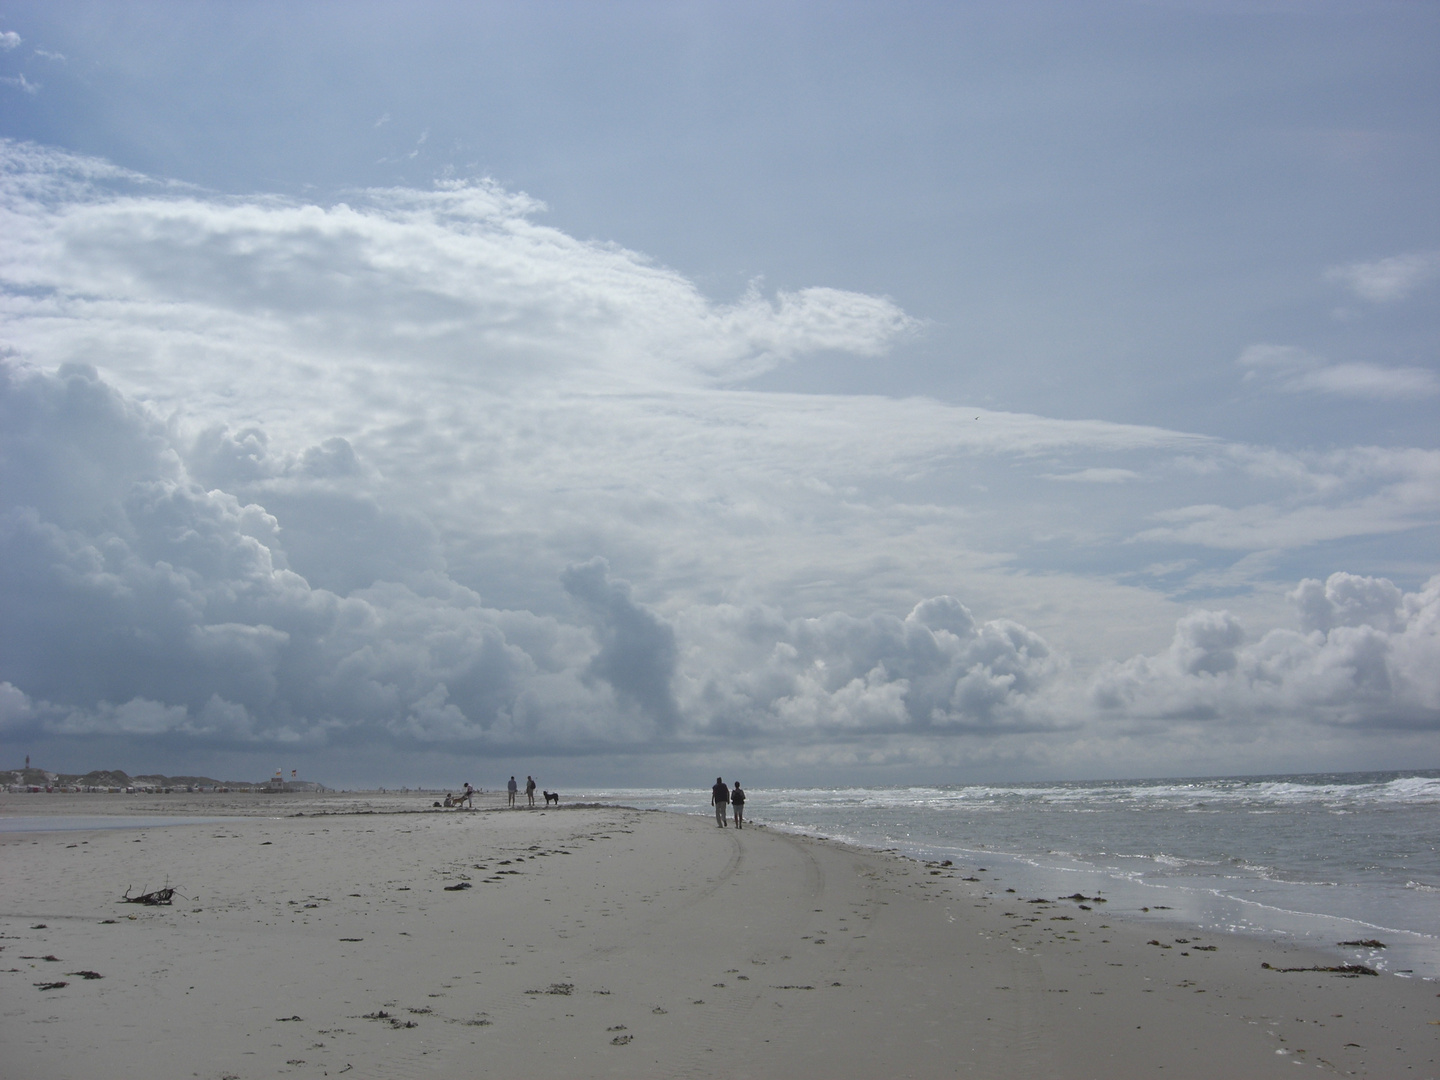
(1317, 859)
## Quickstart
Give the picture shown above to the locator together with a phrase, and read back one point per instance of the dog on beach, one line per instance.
(552, 796)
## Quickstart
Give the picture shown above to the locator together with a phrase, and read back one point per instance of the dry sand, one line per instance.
(612, 942)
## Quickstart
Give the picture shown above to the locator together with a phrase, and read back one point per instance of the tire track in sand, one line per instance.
(730, 1018)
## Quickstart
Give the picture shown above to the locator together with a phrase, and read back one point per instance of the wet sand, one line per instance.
(365, 935)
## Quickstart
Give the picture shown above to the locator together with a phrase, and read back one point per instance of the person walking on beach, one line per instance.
(530, 790)
(737, 805)
(469, 795)
(510, 789)
(720, 796)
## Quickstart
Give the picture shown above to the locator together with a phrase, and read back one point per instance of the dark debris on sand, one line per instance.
(152, 899)
(561, 989)
(1350, 971)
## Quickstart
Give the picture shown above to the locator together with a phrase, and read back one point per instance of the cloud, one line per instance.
(1095, 476)
(142, 604)
(1367, 655)
(415, 471)
(1347, 600)
(752, 673)
(9, 39)
(15, 706)
(1371, 381)
(1276, 358)
(1366, 490)
(1387, 280)
(1297, 371)
(20, 82)
(461, 277)
(637, 647)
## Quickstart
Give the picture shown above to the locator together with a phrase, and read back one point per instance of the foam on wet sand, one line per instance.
(613, 942)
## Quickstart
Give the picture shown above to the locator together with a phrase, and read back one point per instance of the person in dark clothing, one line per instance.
(720, 796)
(737, 805)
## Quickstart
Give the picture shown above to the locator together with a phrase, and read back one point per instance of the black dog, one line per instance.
(552, 796)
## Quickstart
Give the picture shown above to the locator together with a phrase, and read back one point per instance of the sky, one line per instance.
(852, 393)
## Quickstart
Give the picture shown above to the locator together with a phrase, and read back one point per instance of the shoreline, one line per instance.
(718, 952)
(1322, 932)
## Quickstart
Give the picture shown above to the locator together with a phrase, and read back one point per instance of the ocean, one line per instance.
(1321, 859)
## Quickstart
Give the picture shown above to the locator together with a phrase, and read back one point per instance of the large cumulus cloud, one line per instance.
(935, 671)
(143, 603)
(1365, 654)
(139, 602)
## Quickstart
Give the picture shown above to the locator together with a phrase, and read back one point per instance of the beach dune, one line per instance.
(597, 942)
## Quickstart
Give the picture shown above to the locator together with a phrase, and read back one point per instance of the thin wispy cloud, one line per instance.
(1370, 381)
(1390, 279)
(1296, 371)
(1095, 476)
(21, 83)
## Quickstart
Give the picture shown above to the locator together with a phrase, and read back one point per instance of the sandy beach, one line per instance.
(371, 936)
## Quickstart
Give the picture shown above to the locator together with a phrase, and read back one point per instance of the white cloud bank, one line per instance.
(140, 604)
(415, 471)
(1366, 654)
(459, 279)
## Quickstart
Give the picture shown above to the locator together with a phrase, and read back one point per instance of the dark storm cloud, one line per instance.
(637, 648)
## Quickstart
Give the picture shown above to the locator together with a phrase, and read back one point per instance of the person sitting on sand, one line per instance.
(511, 788)
(720, 796)
(737, 805)
(530, 786)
